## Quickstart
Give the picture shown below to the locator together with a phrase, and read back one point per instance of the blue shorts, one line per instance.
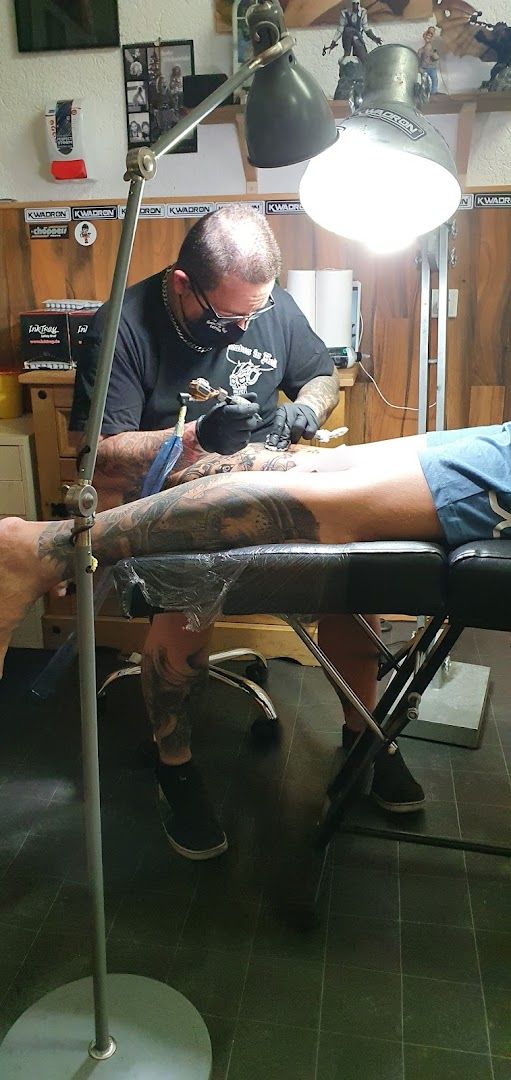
(469, 475)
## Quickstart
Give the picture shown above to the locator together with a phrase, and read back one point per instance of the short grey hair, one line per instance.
(235, 239)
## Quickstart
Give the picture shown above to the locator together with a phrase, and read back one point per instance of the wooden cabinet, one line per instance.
(18, 496)
(51, 394)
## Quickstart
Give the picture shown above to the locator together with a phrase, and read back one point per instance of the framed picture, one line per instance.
(325, 13)
(66, 24)
(153, 80)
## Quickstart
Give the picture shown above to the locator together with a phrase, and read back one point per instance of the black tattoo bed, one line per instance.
(468, 587)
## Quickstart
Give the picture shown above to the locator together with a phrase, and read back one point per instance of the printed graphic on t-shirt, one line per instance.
(248, 366)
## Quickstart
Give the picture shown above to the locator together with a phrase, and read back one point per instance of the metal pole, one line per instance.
(103, 1046)
(334, 675)
(425, 315)
(443, 294)
(81, 502)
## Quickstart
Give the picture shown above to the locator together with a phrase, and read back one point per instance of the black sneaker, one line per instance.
(187, 815)
(393, 786)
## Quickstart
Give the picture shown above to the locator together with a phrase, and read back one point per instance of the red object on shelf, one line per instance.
(69, 170)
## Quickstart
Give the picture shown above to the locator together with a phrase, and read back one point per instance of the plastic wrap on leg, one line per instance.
(197, 587)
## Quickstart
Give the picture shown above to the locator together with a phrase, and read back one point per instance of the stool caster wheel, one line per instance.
(257, 672)
(265, 731)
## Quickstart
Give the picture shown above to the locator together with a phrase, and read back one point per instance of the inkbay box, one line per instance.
(79, 323)
(53, 339)
(45, 339)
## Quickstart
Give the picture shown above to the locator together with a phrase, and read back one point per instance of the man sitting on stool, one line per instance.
(215, 313)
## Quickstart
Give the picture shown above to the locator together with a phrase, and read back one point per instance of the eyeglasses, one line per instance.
(225, 320)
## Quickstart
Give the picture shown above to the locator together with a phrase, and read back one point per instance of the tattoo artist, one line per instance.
(215, 313)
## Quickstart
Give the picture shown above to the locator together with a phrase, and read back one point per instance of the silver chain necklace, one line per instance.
(165, 296)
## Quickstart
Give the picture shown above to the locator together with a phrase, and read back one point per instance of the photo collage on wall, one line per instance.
(153, 78)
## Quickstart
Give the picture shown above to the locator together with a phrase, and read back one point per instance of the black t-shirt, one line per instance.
(279, 350)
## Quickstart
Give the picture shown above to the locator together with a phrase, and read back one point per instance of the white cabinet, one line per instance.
(18, 488)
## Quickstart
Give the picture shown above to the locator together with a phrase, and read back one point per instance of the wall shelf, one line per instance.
(465, 106)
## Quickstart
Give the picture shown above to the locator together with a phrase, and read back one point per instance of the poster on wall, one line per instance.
(153, 80)
(323, 13)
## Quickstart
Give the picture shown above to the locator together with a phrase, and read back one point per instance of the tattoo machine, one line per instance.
(170, 451)
(201, 390)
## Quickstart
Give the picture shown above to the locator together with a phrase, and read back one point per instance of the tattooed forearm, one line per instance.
(253, 458)
(123, 459)
(322, 394)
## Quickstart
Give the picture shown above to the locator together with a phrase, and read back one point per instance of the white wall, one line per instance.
(29, 81)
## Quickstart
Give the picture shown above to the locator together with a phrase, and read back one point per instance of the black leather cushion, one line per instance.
(402, 577)
(479, 590)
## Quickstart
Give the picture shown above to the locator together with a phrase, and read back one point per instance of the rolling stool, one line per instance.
(265, 727)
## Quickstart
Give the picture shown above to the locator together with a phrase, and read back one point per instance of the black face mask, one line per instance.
(210, 333)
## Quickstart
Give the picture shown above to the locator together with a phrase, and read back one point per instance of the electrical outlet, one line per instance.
(452, 304)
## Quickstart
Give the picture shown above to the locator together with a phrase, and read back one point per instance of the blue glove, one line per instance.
(228, 427)
(293, 422)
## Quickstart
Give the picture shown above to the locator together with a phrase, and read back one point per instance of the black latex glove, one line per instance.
(294, 422)
(228, 427)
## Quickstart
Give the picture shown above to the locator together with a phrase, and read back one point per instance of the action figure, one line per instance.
(497, 38)
(429, 58)
(464, 34)
(352, 27)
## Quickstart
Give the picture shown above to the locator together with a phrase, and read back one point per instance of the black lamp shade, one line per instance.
(287, 118)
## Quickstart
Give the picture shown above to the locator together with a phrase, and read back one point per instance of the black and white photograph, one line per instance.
(136, 96)
(139, 129)
(153, 75)
(135, 62)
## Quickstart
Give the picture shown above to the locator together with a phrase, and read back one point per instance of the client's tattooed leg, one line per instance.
(219, 512)
(208, 515)
(27, 571)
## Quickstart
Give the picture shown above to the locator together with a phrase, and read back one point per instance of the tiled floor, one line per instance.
(405, 974)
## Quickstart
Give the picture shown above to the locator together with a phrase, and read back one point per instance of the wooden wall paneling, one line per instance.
(156, 245)
(460, 331)
(54, 266)
(486, 405)
(18, 279)
(6, 350)
(394, 372)
(491, 350)
(479, 340)
(295, 238)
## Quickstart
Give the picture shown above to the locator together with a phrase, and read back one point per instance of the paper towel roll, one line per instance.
(333, 307)
(302, 286)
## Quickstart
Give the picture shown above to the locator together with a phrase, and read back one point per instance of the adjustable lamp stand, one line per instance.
(158, 1033)
(452, 707)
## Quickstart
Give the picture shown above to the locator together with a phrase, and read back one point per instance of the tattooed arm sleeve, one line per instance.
(124, 459)
(321, 394)
(253, 458)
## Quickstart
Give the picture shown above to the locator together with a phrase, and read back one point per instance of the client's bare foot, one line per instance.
(24, 576)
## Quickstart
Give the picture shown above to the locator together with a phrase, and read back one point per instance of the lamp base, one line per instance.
(159, 1034)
